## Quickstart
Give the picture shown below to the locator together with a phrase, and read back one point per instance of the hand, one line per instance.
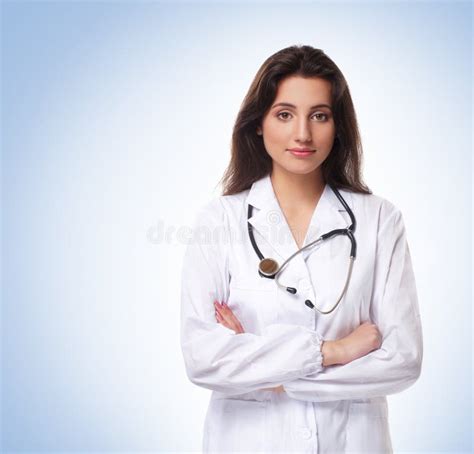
(226, 317)
(364, 339)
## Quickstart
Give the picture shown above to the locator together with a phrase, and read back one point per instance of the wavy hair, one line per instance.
(250, 161)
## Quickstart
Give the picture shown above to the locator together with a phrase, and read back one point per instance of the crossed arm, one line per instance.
(361, 341)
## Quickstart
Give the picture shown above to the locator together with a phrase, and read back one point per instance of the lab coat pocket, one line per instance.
(367, 427)
(253, 301)
(235, 425)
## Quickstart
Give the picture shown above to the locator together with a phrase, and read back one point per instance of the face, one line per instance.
(307, 123)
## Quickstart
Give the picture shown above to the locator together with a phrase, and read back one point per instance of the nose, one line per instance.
(303, 131)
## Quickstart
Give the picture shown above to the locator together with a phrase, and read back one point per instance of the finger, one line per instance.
(218, 308)
(237, 323)
(223, 321)
(218, 313)
(227, 320)
(231, 320)
(225, 312)
(232, 317)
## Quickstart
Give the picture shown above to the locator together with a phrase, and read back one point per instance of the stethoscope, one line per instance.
(269, 268)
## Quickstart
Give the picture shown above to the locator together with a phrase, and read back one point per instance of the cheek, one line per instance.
(276, 134)
(324, 134)
(276, 143)
(326, 145)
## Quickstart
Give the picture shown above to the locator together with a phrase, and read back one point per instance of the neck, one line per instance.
(295, 189)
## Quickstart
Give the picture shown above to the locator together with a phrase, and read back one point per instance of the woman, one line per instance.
(292, 365)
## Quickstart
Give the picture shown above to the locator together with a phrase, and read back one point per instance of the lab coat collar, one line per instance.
(273, 230)
(262, 193)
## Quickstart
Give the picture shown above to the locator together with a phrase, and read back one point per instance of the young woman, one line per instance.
(300, 354)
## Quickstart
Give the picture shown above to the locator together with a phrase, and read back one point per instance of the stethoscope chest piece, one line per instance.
(268, 268)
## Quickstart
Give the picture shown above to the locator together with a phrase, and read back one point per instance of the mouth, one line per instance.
(301, 152)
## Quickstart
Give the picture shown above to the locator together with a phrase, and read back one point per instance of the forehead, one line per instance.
(302, 90)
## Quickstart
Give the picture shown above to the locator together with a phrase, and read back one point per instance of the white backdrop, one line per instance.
(116, 127)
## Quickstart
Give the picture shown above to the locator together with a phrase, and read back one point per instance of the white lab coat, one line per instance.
(332, 409)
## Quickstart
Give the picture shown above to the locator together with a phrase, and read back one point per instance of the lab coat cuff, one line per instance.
(316, 361)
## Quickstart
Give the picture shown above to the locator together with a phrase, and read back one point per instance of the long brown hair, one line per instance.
(249, 160)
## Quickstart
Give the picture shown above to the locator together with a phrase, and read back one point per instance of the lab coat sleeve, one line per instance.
(396, 365)
(215, 356)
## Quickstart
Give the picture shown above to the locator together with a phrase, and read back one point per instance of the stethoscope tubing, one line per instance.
(349, 232)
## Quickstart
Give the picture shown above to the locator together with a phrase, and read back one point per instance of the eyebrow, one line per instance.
(287, 104)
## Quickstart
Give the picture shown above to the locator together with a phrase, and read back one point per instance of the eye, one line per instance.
(283, 113)
(323, 114)
(314, 115)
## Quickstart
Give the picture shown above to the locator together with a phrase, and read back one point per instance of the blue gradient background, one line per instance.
(116, 126)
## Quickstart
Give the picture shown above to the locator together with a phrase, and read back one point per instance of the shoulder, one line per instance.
(378, 211)
(225, 205)
(222, 208)
(374, 205)
(213, 224)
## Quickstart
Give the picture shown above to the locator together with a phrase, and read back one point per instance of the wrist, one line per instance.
(333, 353)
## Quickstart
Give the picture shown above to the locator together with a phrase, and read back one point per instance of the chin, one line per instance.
(302, 169)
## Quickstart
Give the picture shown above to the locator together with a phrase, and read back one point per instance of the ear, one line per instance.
(259, 130)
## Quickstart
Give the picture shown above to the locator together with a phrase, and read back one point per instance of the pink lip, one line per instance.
(301, 153)
(301, 149)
